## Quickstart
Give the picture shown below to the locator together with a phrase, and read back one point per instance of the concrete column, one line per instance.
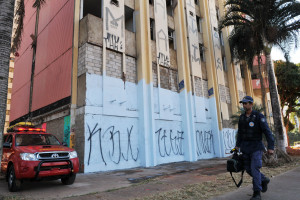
(232, 72)
(185, 82)
(248, 82)
(213, 85)
(145, 85)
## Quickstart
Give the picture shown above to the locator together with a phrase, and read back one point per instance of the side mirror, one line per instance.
(7, 145)
(64, 144)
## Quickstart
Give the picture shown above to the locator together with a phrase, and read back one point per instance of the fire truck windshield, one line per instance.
(35, 139)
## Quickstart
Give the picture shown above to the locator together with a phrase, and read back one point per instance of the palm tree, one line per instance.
(271, 22)
(244, 49)
(6, 22)
(6, 25)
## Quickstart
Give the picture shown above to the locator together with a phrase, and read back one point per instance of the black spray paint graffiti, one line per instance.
(162, 39)
(205, 142)
(113, 42)
(196, 52)
(114, 22)
(169, 142)
(163, 59)
(229, 140)
(115, 148)
(162, 8)
(193, 28)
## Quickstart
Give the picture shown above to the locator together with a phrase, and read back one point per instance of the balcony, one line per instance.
(91, 31)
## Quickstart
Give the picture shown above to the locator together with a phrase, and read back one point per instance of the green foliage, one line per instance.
(288, 78)
(293, 137)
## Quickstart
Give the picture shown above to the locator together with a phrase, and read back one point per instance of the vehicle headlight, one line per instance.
(73, 154)
(28, 156)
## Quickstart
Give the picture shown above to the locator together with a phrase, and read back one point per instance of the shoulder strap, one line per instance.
(241, 181)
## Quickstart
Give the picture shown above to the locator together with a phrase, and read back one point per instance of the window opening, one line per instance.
(93, 7)
(169, 4)
(202, 52)
(129, 19)
(224, 64)
(218, 13)
(152, 29)
(171, 34)
(221, 38)
(199, 24)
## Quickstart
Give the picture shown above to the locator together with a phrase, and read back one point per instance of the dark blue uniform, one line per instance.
(249, 139)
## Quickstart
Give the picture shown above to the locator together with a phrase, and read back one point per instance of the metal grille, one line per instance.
(53, 155)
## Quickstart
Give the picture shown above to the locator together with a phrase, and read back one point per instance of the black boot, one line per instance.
(256, 196)
(264, 184)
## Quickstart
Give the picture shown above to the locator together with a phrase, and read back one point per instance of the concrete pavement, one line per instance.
(105, 181)
(285, 186)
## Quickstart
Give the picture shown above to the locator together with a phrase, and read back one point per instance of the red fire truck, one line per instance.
(30, 153)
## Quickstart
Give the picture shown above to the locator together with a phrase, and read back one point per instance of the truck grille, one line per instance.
(53, 155)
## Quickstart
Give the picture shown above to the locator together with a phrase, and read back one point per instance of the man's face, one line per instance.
(247, 106)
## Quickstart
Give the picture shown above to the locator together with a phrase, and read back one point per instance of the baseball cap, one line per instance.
(247, 99)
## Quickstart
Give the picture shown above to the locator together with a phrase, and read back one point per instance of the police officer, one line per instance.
(252, 125)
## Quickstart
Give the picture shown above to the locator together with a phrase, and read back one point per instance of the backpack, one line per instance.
(235, 165)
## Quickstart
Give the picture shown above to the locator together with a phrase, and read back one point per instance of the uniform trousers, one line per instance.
(252, 164)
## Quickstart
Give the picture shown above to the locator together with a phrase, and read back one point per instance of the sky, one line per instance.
(276, 54)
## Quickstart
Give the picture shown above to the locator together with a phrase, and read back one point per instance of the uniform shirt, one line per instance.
(247, 146)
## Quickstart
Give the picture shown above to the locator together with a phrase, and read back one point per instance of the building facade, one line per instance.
(130, 83)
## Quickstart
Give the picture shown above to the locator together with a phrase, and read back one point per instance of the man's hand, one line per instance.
(270, 151)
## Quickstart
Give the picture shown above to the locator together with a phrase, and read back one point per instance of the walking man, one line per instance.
(252, 125)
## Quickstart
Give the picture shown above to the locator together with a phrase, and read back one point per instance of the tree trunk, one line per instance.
(262, 85)
(277, 115)
(6, 22)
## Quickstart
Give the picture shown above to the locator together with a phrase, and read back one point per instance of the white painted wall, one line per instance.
(119, 136)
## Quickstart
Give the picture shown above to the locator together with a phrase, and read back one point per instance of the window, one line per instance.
(169, 7)
(171, 34)
(199, 24)
(129, 19)
(9, 139)
(221, 38)
(202, 52)
(242, 67)
(152, 29)
(218, 13)
(4, 138)
(92, 7)
(224, 64)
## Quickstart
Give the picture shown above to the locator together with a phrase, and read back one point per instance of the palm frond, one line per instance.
(19, 18)
(38, 3)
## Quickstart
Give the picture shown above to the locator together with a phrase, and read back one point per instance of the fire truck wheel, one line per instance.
(14, 184)
(68, 180)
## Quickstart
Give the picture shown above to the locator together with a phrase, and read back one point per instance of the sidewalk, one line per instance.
(105, 181)
(285, 186)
